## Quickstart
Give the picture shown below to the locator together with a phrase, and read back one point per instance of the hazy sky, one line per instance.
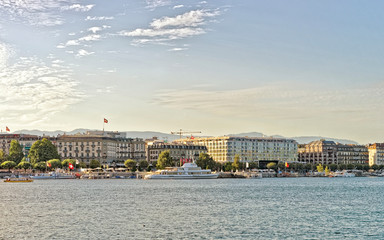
(278, 67)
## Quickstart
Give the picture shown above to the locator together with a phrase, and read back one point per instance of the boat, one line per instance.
(344, 173)
(53, 175)
(21, 179)
(187, 171)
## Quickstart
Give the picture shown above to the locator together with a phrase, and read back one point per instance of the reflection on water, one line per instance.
(302, 208)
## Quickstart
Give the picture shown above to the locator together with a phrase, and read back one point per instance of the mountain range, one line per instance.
(171, 137)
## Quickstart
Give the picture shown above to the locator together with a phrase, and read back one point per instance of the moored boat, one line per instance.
(21, 179)
(187, 171)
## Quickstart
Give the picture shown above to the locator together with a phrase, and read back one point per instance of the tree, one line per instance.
(94, 163)
(205, 161)
(130, 164)
(40, 166)
(82, 165)
(320, 168)
(165, 160)
(55, 163)
(8, 164)
(228, 166)
(65, 162)
(15, 152)
(42, 151)
(253, 165)
(143, 164)
(24, 165)
(3, 156)
(236, 162)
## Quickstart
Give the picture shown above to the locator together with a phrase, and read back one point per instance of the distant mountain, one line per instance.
(171, 137)
(304, 140)
(51, 133)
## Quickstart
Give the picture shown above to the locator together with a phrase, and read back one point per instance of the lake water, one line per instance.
(277, 208)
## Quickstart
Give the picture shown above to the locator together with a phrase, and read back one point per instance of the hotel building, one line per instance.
(329, 152)
(25, 140)
(249, 149)
(106, 147)
(376, 154)
(179, 152)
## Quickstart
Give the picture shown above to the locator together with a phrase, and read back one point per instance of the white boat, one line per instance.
(344, 173)
(52, 175)
(187, 171)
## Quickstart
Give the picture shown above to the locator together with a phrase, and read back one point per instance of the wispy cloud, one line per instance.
(34, 12)
(78, 7)
(172, 28)
(77, 42)
(83, 53)
(178, 6)
(153, 4)
(101, 18)
(32, 91)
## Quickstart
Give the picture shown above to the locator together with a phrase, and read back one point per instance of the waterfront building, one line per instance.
(329, 152)
(25, 140)
(179, 152)
(249, 149)
(109, 148)
(376, 154)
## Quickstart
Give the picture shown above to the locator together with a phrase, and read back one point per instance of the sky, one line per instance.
(292, 68)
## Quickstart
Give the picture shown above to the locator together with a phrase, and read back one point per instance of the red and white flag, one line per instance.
(7, 129)
(49, 164)
(105, 120)
(70, 165)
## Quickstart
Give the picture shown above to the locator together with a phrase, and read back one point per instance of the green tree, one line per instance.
(332, 167)
(228, 166)
(8, 164)
(55, 163)
(15, 152)
(24, 165)
(65, 162)
(130, 164)
(236, 162)
(271, 165)
(42, 166)
(165, 160)
(3, 156)
(205, 161)
(82, 165)
(143, 164)
(42, 151)
(94, 163)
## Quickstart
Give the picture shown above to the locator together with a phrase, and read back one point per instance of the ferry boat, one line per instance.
(21, 179)
(53, 175)
(187, 171)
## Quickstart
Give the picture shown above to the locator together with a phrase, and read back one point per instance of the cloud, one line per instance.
(33, 12)
(77, 42)
(178, 6)
(32, 91)
(177, 49)
(153, 4)
(98, 29)
(89, 18)
(78, 7)
(172, 28)
(83, 53)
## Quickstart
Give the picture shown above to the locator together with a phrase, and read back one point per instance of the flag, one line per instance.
(70, 165)
(49, 164)
(286, 164)
(105, 120)
(7, 129)
(192, 137)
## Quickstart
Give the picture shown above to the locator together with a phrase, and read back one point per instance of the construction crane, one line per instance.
(181, 132)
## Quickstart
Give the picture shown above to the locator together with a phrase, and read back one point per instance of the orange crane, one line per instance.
(181, 132)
